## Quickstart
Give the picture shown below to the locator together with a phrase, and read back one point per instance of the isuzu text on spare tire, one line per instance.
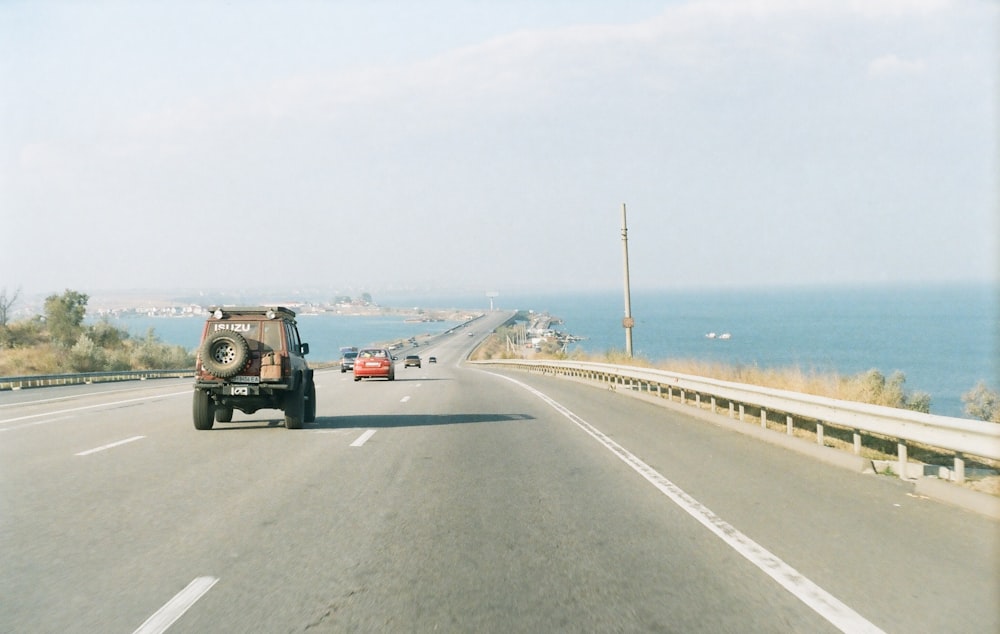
(252, 358)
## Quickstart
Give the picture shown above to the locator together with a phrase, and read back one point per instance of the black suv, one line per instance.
(251, 358)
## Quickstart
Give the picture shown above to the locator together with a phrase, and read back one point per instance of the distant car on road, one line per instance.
(432, 359)
(373, 363)
(411, 359)
(347, 361)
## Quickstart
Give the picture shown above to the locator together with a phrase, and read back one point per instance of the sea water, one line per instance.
(325, 333)
(943, 338)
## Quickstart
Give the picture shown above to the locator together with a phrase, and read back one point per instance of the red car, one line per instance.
(374, 362)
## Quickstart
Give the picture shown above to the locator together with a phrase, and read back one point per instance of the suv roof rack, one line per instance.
(254, 310)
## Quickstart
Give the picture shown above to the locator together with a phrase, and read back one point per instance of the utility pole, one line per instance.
(628, 322)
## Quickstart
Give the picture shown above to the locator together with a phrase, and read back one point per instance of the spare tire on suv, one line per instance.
(224, 353)
(251, 358)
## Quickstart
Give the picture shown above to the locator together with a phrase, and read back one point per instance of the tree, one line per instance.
(6, 303)
(64, 316)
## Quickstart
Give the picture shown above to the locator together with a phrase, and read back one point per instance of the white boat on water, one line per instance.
(725, 335)
(710, 335)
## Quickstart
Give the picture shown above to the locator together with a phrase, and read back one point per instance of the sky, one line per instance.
(490, 146)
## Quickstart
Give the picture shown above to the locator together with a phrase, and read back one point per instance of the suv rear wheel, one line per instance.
(310, 407)
(204, 410)
(295, 406)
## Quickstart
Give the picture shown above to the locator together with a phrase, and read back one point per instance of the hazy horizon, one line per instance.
(457, 146)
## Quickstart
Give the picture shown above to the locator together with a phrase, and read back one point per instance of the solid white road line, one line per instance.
(37, 422)
(71, 397)
(363, 438)
(177, 606)
(110, 446)
(86, 407)
(821, 601)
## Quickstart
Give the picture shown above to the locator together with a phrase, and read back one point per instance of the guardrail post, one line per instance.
(659, 390)
(730, 409)
(683, 398)
(789, 424)
(742, 412)
(819, 433)
(901, 450)
(763, 418)
(959, 468)
(670, 393)
(697, 399)
(714, 409)
(857, 442)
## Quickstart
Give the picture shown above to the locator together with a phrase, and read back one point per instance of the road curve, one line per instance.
(456, 499)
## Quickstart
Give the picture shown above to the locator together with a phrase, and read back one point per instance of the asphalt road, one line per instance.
(457, 499)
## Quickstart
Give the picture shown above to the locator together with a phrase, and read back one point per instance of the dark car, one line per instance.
(374, 363)
(347, 361)
(411, 359)
(432, 359)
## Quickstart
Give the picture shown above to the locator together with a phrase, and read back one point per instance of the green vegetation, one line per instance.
(59, 342)
(871, 387)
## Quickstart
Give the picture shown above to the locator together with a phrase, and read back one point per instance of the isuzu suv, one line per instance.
(251, 358)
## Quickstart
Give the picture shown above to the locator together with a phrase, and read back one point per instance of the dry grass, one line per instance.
(989, 485)
(866, 387)
(40, 359)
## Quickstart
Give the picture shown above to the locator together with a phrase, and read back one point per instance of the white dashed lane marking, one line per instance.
(110, 445)
(177, 606)
(363, 438)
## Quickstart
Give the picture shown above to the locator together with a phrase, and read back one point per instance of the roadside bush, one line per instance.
(86, 356)
(152, 354)
(27, 332)
(983, 403)
(26, 348)
(874, 388)
(105, 335)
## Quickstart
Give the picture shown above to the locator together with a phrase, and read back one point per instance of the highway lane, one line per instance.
(905, 562)
(450, 499)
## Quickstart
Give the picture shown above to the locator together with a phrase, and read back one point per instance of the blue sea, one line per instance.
(943, 338)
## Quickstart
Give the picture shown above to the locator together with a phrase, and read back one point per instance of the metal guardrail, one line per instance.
(46, 380)
(954, 435)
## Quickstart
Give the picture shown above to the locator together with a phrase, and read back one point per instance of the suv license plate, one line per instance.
(240, 391)
(245, 379)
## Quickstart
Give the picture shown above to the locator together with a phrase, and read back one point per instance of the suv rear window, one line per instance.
(262, 336)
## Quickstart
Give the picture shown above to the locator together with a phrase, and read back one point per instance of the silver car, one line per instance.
(347, 361)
